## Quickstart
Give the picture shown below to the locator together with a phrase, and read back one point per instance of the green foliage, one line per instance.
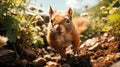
(114, 20)
(105, 18)
(11, 34)
(95, 11)
(19, 23)
(8, 21)
(114, 17)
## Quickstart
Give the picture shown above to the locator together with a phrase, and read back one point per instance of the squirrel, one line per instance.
(63, 30)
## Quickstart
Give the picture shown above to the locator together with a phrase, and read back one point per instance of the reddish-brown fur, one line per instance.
(62, 32)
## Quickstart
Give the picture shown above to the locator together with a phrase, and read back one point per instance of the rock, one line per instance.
(105, 34)
(43, 49)
(82, 45)
(39, 62)
(47, 56)
(29, 53)
(89, 42)
(69, 50)
(94, 47)
(117, 64)
(39, 51)
(66, 65)
(25, 62)
(52, 64)
(49, 48)
(111, 39)
(118, 54)
(56, 58)
(7, 56)
(107, 60)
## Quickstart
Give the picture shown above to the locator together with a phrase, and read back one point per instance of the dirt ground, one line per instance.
(101, 51)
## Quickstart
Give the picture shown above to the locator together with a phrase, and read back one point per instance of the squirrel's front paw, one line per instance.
(76, 51)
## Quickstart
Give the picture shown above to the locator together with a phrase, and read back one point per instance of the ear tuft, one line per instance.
(51, 11)
(70, 11)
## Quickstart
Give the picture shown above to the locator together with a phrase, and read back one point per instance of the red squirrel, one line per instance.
(63, 31)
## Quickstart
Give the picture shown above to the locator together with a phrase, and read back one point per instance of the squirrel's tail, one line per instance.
(81, 23)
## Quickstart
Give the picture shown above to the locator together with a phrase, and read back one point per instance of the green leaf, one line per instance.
(104, 12)
(11, 34)
(106, 28)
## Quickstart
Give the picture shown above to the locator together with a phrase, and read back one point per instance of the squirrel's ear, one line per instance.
(70, 11)
(51, 11)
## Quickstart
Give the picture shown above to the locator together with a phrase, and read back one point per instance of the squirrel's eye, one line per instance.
(51, 21)
(67, 20)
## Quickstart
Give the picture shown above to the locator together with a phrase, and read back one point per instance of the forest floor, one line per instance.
(101, 51)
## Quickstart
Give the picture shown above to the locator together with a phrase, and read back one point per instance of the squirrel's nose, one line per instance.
(57, 27)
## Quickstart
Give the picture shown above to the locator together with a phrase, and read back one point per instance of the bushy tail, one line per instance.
(81, 23)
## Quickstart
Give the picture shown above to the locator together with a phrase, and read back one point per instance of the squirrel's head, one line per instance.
(61, 21)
